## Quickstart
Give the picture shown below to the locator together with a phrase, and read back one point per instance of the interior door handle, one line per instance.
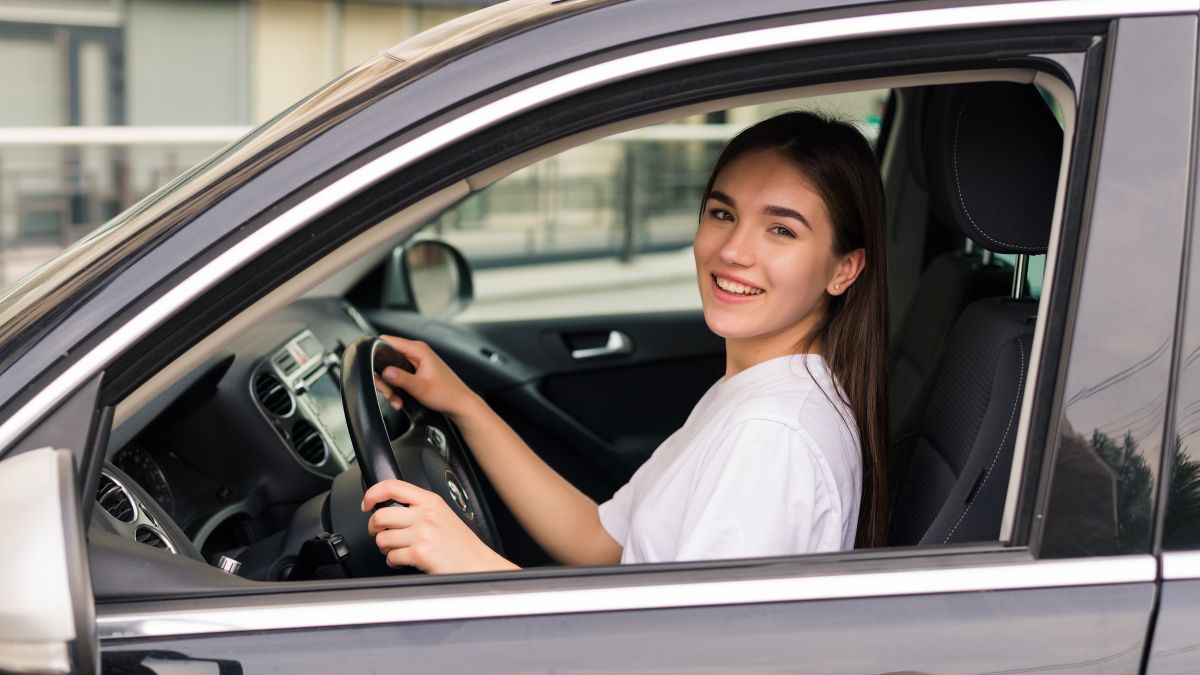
(618, 343)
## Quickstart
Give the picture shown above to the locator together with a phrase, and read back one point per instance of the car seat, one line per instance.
(992, 153)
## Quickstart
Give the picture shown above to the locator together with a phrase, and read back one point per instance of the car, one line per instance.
(179, 478)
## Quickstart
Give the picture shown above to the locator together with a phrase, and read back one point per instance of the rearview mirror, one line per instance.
(428, 276)
(49, 620)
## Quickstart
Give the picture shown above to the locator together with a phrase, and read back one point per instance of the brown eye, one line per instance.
(782, 231)
(720, 214)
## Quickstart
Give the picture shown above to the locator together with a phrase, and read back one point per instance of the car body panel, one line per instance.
(1118, 368)
(1064, 630)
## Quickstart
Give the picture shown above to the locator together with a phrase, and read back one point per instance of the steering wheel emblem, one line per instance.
(438, 440)
(459, 495)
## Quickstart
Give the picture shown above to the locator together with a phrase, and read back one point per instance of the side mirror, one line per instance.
(428, 276)
(49, 620)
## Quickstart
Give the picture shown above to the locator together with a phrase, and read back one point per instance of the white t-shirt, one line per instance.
(765, 465)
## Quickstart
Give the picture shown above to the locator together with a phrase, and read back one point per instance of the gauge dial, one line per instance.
(134, 460)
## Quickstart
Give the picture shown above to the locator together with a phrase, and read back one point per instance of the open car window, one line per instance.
(607, 227)
(594, 419)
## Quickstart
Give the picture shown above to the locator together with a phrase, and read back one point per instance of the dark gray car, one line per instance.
(180, 484)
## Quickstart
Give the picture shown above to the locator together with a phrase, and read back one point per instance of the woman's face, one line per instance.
(764, 254)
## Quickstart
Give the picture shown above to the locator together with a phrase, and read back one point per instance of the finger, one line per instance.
(395, 490)
(399, 377)
(413, 350)
(390, 540)
(391, 518)
(402, 557)
(393, 399)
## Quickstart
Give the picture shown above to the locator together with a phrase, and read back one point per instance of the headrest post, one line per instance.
(969, 246)
(1019, 272)
(986, 257)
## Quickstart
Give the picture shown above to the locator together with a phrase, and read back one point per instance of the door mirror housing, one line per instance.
(430, 277)
(49, 620)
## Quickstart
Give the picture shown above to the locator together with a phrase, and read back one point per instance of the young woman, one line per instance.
(783, 455)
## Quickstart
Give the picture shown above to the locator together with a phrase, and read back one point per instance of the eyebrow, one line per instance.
(776, 211)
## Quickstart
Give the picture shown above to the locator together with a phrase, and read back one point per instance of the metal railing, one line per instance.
(628, 194)
(59, 183)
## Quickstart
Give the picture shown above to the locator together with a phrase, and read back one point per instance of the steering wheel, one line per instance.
(415, 443)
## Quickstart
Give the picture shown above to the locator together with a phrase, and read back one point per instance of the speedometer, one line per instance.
(134, 460)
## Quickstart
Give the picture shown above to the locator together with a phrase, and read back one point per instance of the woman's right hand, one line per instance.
(433, 384)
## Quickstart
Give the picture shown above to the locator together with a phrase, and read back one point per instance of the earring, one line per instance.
(837, 287)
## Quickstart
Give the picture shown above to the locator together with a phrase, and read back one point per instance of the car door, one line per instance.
(1175, 646)
(1070, 585)
(49, 619)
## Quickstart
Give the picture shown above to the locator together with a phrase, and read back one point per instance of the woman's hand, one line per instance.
(426, 534)
(433, 383)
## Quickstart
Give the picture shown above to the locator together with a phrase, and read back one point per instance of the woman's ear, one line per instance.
(847, 271)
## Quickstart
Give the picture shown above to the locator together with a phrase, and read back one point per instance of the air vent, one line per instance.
(286, 362)
(151, 537)
(272, 395)
(308, 443)
(113, 498)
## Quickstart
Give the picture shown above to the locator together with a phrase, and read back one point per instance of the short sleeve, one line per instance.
(614, 513)
(761, 491)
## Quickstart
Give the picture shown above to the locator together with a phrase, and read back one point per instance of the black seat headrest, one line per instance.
(992, 153)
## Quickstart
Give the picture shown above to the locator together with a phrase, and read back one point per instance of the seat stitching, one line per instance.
(987, 474)
(958, 184)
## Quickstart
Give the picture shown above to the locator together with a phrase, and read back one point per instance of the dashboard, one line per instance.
(247, 454)
(231, 452)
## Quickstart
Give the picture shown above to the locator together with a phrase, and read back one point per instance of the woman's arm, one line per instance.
(564, 521)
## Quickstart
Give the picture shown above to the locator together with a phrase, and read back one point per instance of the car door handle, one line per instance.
(618, 343)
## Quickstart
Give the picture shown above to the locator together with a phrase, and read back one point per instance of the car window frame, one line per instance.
(988, 565)
(1073, 249)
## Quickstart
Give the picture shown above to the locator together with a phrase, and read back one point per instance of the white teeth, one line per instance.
(734, 287)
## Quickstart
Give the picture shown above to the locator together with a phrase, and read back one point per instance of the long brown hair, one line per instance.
(852, 332)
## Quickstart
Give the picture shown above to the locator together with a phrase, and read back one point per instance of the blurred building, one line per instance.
(106, 100)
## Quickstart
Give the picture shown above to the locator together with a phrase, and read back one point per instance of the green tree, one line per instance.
(1135, 488)
(1182, 527)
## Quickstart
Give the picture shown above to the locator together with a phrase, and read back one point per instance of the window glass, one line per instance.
(1111, 430)
(1181, 528)
(607, 227)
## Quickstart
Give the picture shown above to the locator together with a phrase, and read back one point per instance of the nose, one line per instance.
(737, 250)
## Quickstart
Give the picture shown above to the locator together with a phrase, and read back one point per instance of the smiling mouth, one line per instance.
(735, 288)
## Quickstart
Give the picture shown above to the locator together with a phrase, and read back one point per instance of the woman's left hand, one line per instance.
(426, 534)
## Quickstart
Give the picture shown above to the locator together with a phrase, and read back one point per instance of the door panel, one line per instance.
(1097, 629)
(1176, 644)
(631, 399)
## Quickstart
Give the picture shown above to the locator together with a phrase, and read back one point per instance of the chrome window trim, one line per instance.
(1180, 565)
(449, 603)
(1070, 109)
(544, 92)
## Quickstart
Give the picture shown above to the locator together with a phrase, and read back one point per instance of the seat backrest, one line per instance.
(992, 153)
(952, 281)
